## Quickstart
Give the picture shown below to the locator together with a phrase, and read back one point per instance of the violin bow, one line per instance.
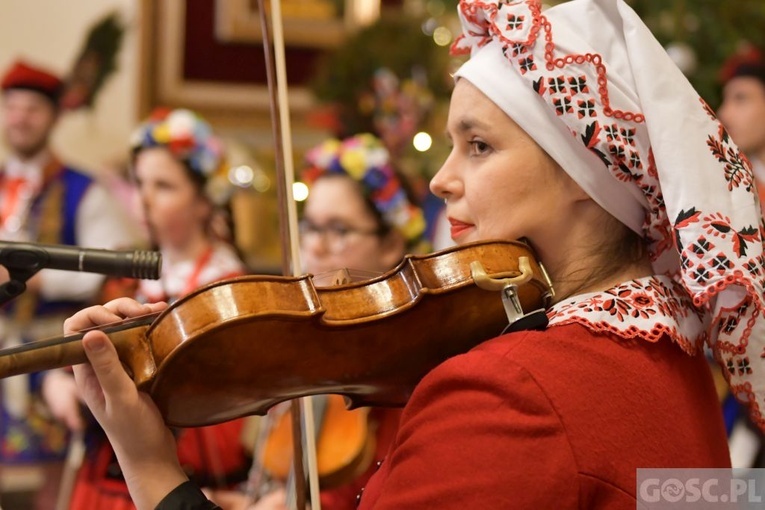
(276, 76)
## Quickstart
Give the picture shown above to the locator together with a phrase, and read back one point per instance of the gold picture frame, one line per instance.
(162, 73)
(163, 33)
(307, 23)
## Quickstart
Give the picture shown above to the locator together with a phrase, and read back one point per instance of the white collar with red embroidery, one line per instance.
(645, 309)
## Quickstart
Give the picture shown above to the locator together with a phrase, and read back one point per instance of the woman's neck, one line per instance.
(192, 249)
(587, 256)
(584, 277)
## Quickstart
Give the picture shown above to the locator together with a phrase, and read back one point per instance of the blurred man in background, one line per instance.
(742, 111)
(45, 201)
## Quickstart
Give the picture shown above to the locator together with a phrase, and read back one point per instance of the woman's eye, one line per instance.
(165, 185)
(478, 147)
(338, 230)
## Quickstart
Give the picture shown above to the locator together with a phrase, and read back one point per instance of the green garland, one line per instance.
(345, 77)
(396, 51)
(712, 29)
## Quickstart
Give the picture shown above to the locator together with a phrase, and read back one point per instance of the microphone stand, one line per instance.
(24, 260)
(19, 274)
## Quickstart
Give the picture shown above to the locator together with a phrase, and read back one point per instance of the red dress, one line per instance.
(207, 454)
(554, 419)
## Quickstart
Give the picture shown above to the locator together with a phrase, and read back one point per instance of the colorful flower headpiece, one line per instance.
(398, 106)
(190, 139)
(366, 160)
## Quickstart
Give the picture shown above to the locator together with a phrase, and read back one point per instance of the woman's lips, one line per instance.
(458, 227)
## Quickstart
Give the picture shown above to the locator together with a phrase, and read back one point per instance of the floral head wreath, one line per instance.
(189, 139)
(365, 159)
(590, 83)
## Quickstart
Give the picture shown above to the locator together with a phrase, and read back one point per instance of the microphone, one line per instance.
(31, 257)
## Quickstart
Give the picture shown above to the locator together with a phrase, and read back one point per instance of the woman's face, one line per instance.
(497, 182)
(338, 231)
(742, 112)
(175, 211)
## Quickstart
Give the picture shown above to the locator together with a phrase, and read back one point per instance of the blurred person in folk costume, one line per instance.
(742, 112)
(360, 215)
(43, 200)
(182, 177)
(395, 92)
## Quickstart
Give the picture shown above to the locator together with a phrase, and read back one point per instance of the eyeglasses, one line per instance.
(334, 235)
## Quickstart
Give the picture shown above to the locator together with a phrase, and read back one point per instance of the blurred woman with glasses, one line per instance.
(361, 216)
(359, 213)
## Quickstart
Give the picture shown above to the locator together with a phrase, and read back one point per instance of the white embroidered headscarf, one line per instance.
(589, 82)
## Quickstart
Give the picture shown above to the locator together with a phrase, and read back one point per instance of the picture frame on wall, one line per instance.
(208, 54)
(307, 23)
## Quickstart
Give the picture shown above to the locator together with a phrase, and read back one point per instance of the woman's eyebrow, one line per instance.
(467, 124)
(471, 123)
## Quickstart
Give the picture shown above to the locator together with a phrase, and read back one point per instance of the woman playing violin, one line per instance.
(359, 215)
(573, 129)
(179, 166)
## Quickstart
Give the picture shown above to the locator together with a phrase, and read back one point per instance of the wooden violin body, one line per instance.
(239, 346)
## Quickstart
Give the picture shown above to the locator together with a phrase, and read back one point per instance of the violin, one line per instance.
(238, 347)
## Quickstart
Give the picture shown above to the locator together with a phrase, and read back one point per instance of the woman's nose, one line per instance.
(444, 183)
(146, 201)
(314, 244)
(722, 113)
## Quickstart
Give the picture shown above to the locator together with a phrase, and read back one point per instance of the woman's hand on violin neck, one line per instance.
(113, 311)
(144, 446)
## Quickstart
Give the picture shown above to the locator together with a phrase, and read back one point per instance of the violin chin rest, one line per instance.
(536, 320)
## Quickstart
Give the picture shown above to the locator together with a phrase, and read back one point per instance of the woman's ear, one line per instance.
(204, 209)
(570, 186)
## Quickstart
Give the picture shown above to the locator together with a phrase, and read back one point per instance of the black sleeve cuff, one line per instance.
(186, 496)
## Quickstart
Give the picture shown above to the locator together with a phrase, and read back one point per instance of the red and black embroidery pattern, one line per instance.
(738, 170)
(576, 87)
(646, 309)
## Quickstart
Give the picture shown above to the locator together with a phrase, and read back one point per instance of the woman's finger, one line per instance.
(113, 311)
(127, 307)
(112, 378)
